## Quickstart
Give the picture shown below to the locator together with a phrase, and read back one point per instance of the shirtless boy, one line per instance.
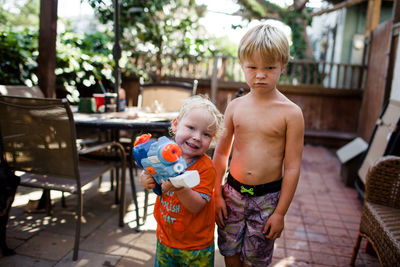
(265, 131)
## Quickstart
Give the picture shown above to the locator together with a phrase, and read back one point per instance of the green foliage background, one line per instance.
(84, 61)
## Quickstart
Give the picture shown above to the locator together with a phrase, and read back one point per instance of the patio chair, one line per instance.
(380, 221)
(167, 96)
(21, 90)
(38, 137)
(35, 92)
(158, 97)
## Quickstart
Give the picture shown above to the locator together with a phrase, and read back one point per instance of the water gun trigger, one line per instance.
(151, 170)
(171, 152)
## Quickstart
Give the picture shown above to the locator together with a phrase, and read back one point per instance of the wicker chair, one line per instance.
(380, 221)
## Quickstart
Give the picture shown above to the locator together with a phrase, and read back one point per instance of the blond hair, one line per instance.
(202, 102)
(269, 41)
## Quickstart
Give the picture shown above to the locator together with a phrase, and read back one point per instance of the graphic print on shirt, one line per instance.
(171, 211)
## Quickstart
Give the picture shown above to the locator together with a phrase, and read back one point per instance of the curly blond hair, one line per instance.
(202, 102)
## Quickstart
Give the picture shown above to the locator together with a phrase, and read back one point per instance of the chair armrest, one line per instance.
(86, 141)
(383, 182)
(95, 148)
(114, 146)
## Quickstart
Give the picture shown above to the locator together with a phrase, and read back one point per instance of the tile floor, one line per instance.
(320, 227)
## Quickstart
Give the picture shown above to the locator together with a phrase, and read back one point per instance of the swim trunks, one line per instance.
(254, 190)
(243, 231)
(171, 257)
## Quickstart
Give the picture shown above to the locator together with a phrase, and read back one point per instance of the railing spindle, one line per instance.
(344, 75)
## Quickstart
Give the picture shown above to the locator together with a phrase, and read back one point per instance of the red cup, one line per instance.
(99, 99)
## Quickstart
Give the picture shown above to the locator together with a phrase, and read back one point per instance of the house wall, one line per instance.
(338, 37)
(339, 28)
(355, 28)
(386, 11)
(321, 35)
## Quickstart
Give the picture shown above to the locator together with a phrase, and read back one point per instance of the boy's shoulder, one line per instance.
(237, 101)
(291, 111)
(286, 99)
(282, 100)
(292, 105)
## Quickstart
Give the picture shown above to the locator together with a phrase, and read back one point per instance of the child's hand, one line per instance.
(146, 180)
(274, 226)
(220, 211)
(168, 186)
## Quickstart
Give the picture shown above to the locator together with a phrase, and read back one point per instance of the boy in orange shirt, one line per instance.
(185, 216)
(266, 131)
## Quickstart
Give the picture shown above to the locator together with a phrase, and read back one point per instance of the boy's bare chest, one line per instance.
(269, 122)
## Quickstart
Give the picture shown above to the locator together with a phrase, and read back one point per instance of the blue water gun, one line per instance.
(163, 160)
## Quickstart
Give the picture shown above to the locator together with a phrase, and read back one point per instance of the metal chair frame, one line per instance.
(23, 143)
(170, 95)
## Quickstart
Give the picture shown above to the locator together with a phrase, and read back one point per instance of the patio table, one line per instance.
(132, 118)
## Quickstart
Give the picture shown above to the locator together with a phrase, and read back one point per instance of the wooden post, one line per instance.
(116, 51)
(376, 14)
(214, 80)
(373, 13)
(396, 11)
(47, 47)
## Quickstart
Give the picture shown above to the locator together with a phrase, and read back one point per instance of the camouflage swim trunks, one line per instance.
(243, 231)
(171, 257)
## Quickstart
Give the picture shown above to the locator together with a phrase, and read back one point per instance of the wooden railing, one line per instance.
(223, 68)
(329, 94)
(329, 75)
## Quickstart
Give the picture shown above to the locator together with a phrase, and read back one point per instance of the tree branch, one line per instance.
(348, 3)
(299, 5)
(272, 10)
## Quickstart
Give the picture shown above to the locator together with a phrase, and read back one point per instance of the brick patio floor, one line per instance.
(320, 227)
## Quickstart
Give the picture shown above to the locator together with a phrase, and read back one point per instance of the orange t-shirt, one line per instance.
(179, 228)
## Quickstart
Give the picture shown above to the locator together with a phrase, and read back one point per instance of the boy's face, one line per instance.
(193, 133)
(260, 74)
